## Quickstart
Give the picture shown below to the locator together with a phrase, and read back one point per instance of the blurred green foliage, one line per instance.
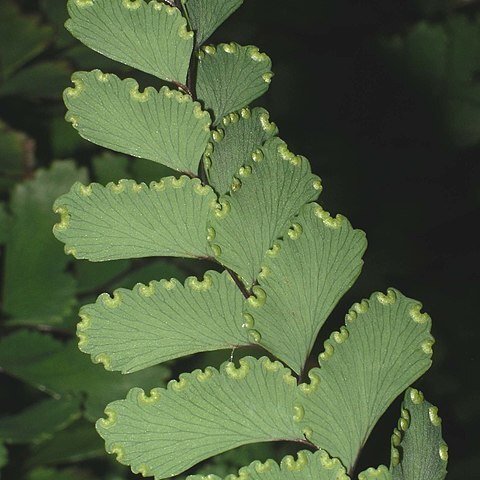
(382, 97)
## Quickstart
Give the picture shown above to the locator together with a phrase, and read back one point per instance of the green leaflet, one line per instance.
(62, 370)
(270, 191)
(206, 15)
(3, 455)
(203, 414)
(418, 449)
(151, 37)
(232, 146)
(40, 421)
(384, 347)
(301, 281)
(380, 473)
(130, 220)
(164, 126)
(230, 76)
(13, 146)
(307, 466)
(36, 289)
(164, 320)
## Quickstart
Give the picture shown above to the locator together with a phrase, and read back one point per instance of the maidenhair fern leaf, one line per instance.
(166, 126)
(418, 450)
(308, 466)
(206, 15)
(130, 220)
(269, 192)
(380, 473)
(230, 76)
(164, 320)
(302, 279)
(151, 37)
(232, 146)
(384, 347)
(201, 415)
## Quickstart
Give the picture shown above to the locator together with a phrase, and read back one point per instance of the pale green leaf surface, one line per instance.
(206, 15)
(384, 347)
(149, 36)
(201, 415)
(307, 466)
(164, 126)
(22, 37)
(232, 146)
(271, 191)
(164, 320)
(302, 279)
(130, 220)
(36, 288)
(418, 449)
(40, 421)
(230, 76)
(77, 443)
(61, 369)
(380, 473)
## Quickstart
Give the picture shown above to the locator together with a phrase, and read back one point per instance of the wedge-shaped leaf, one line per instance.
(269, 193)
(39, 422)
(307, 466)
(165, 127)
(43, 473)
(230, 76)
(36, 288)
(418, 449)
(301, 281)
(164, 320)
(380, 473)
(384, 347)
(206, 15)
(232, 146)
(130, 220)
(149, 36)
(201, 415)
(61, 370)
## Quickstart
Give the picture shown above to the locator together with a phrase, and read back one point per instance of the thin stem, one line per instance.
(239, 283)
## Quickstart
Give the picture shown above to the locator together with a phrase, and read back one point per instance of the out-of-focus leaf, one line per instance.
(14, 156)
(61, 369)
(21, 38)
(40, 421)
(230, 76)
(4, 224)
(57, 14)
(36, 288)
(206, 15)
(164, 126)
(3, 454)
(65, 474)
(441, 61)
(77, 443)
(44, 80)
(151, 37)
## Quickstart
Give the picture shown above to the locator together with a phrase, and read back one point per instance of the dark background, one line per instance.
(383, 98)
